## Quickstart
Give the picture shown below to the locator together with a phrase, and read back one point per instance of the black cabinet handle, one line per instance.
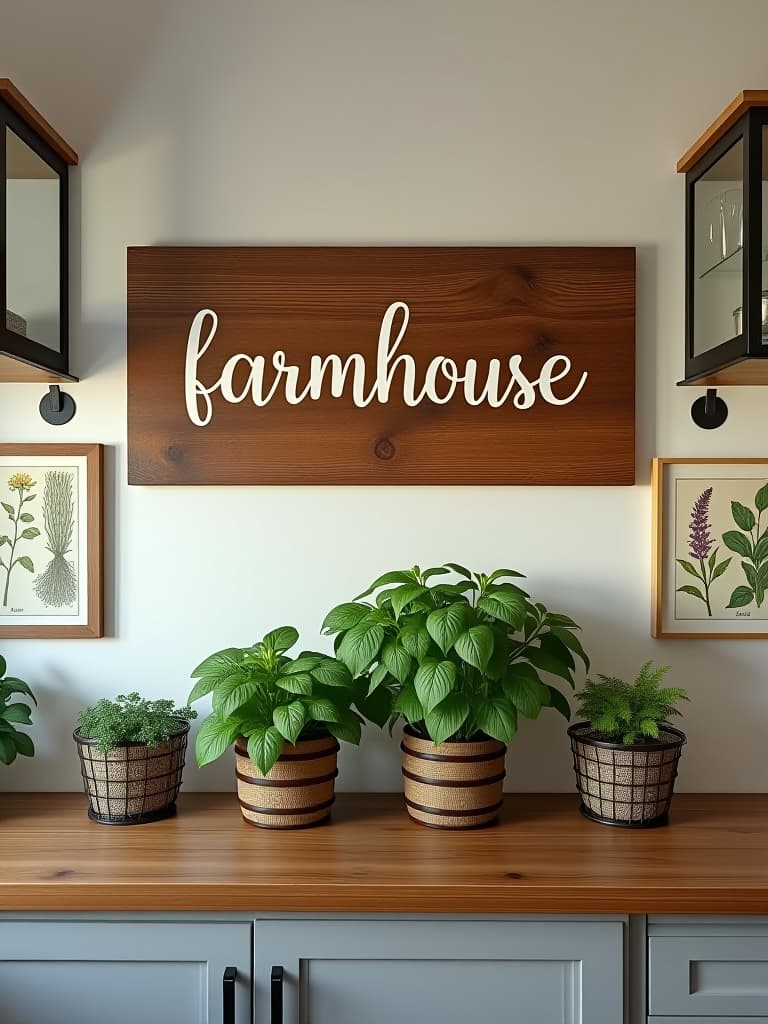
(228, 995)
(276, 988)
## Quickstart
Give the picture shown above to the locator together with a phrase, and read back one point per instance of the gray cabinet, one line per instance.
(709, 971)
(59, 971)
(450, 971)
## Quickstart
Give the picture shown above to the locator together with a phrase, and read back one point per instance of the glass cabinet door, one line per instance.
(718, 246)
(32, 244)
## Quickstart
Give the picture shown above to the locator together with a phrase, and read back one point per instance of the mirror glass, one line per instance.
(32, 245)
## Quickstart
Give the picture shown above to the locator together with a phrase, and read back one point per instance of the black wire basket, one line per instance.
(626, 786)
(132, 783)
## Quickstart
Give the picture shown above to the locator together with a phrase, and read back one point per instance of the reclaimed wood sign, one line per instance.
(381, 365)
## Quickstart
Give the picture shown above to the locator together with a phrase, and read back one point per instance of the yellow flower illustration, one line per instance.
(21, 482)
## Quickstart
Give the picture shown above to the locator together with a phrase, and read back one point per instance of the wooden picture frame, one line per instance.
(60, 544)
(710, 549)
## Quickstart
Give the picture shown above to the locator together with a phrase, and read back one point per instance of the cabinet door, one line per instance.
(152, 972)
(451, 971)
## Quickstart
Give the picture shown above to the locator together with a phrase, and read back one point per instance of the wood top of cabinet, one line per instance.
(727, 119)
(542, 857)
(17, 101)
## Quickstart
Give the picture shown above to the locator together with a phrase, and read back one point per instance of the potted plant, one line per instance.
(625, 754)
(285, 716)
(12, 714)
(459, 659)
(132, 757)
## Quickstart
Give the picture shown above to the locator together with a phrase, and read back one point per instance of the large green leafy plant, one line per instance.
(13, 713)
(455, 658)
(628, 713)
(131, 719)
(261, 693)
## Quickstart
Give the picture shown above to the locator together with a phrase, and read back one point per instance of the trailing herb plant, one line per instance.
(628, 713)
(131, 719)
(455, 659)
(751, 542)
(271, 699)
(13, 713)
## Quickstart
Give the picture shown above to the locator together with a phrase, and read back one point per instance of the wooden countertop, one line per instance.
(542, 858)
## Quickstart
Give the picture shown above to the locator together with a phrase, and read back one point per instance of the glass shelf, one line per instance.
(732, 264)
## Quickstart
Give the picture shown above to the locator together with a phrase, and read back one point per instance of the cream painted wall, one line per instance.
(357, 121)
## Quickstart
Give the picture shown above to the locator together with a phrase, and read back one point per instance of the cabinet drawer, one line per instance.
(708, 977)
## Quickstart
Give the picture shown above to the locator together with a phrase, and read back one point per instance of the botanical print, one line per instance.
(714, 516)
(39, 569)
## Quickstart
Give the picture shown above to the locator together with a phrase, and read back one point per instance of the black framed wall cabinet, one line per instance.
(726, 176)
(34, 243)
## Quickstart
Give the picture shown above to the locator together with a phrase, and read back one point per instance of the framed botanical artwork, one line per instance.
(51, 540)
(710, 548)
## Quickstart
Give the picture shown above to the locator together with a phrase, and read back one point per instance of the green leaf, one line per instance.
(344, 616)
(331, 672)
(397, 660)
(30, 497)
(219, 664)
(27, 517)
(379, 674)
(553, 619)
(281, 639)
(23, 744)
(7, 749)
(565, 636)
(11, 512)
(506, 605)
(201, 688)
(751, 573)
(265, 745)
(475, 646)
(548, 661)
(27, 562)
(5, 539)
(3, 666)
(743, 516)
(399, 576)
(738, 542)
(499, 573)
(439, 570)
(433, 681)
(320, 709)
(402, 596)
(445, 625)
(231, 693)
(527, 695)
(559, 702)
(415, 639)
(301, 683)
(720, 569)
(348, 730)
(761, 548)
(377, 707)
(361, 644)
(761, 499)
(13, 685)
(447, 718)
(552, 645)
(17, 713)
(497, 718)
(408, 704)
(214, 737)
(689, 568)
(289, 720)
(305, 662)
(460, 570)
(693, 591)
(712, 560)
(741, 597)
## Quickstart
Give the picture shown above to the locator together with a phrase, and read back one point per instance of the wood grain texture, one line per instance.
(17, 101)
(16, 371)
(464, 302)
(736, 109)
(543, 857)
(94, 627)
(744, 373)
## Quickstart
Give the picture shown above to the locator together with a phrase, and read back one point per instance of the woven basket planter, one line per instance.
(297, 791)
(453, 785)
(626, 786)
(133, 783)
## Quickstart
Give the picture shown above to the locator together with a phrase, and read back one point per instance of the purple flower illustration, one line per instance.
(700, 540)
(700, 549)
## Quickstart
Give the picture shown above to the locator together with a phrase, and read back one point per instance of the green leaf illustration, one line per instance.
(743, 517)
(27, 517)
(693, 591)
(741, 597)
(738, 542)
(9, 509)
(761, 499)
(27, 562)
(689, 568)
(761, 548)
(720, 569)
(30, 533)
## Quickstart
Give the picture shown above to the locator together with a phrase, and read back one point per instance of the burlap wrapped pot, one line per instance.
(628, 786)
(297, 791)
(132, 783)
(455, 785)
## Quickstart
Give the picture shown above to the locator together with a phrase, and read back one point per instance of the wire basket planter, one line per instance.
(627, 786)
(133, 783)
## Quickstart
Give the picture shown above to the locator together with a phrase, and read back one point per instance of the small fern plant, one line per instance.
(131, 719)
(629, 713)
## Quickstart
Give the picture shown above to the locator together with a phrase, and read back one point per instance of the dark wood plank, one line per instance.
(482, 303)
(17, 101)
